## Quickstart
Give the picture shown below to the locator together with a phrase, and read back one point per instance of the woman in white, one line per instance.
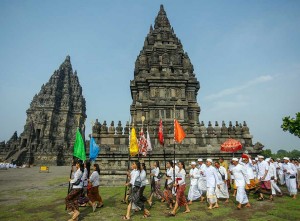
(155, 184)
(194, 192)
(134, 198)
(222, 192)
(241, 179)
(72, 197)
(93, 193)
(290, 172)
(169, 185)
(180, 188)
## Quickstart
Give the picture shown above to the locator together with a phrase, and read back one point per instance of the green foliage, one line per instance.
(281, 153)
(292, 125)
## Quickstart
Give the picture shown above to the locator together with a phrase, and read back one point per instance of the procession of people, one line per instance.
(210, 180)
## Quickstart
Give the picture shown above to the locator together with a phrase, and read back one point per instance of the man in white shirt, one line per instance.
(212, 181)
(290, 172)
(264, 177)
(241, 179)
(222, 192)
(194, 175)
(247, 163)
(202, 179)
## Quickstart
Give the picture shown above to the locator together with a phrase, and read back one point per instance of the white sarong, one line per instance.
(223, 191)
(291, 185)
(211, 195)
(194, 193)
(241, 195)
(202, 186)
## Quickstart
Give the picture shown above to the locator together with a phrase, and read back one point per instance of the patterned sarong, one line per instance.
(180, 197)
(168, 196)
(93, 195)
(72, 199)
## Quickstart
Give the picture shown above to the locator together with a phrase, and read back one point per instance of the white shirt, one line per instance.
(262, 167)
(155, 171)
(94, 178)
(170, 174)
(181, 174)
(231, 166)
(249, 169)
(240, 175)
(202, 169)
(211, 175)
(133, 176)
(278, 166)
(221, 170)
(143, 177)
(290, 168)
(272, 171)
(77, 175)
(194, 176)
(85, 177)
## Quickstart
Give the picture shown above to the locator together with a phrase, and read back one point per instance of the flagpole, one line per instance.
(124, 199)
(174, 146)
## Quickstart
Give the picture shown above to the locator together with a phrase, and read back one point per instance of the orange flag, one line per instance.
(179, 134)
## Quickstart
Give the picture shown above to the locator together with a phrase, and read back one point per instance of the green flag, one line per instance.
(79, 150)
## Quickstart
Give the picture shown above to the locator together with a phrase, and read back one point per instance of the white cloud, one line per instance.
(234, 90)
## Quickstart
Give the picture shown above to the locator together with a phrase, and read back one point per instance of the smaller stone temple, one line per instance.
(52, 119)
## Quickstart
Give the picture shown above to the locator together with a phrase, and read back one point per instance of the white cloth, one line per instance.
(263, 166)
(249, 169)
(155, 171)
(222, 192)
(170, 174)
(77, 175)
(94, 178)
(85, 177)
(181, 174)
(211, 195)
(211, 175)
(280, 174)
(241, 195)
(194, 193)
(240, 175)
(202, 179)
(194, 176)
(274, 187)
(290, 172)
(143, 178)
(133, 176)
(272, 171)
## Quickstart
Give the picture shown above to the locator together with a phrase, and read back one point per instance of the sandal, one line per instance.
(126, 218)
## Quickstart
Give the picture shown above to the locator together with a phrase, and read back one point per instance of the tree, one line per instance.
(266, 153)
(292, 125)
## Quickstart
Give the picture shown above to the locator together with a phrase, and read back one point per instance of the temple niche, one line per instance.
(52, 119)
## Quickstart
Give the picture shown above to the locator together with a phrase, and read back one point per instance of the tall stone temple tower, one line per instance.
(52, 119)
(163, 77)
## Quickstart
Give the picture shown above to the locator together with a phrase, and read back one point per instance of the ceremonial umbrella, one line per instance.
(231, 145)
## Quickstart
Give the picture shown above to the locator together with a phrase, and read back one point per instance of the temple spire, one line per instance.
(162, 20)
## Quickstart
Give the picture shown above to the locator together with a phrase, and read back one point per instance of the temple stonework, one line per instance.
(52, 118)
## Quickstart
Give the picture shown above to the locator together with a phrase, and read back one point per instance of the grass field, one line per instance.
(46, 202)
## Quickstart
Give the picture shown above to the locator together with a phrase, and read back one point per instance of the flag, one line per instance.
(94, 149)
(161, 133)
(179, 134)
(142, 144)
(149, 146)
(79, 150)
(133, 148)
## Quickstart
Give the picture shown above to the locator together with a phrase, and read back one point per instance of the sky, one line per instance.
(246, 56)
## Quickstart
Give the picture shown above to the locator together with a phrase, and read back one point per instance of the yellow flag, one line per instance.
(134, 148)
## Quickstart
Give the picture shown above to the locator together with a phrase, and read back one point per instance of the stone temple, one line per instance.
(52, 118)
(163, 77)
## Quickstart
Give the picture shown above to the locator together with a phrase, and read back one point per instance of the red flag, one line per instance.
(161, 133)
(179, 134)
